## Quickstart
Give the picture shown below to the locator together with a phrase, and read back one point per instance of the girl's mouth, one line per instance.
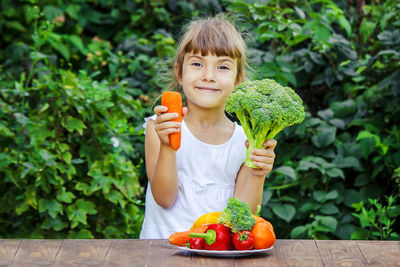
(207, 89)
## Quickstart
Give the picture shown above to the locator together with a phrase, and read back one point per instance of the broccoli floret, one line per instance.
(264, 108)
(237, 216)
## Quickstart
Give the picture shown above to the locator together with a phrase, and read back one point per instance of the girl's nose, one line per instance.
(208, 74)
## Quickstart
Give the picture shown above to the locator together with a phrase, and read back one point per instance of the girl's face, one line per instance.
(208, 80)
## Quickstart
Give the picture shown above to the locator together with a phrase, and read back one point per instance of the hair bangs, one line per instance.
(214, 40)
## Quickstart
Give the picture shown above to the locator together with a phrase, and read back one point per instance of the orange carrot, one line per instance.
(181, 238)
(173, 101)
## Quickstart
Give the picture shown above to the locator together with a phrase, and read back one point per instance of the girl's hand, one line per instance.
(263, 158)
(164, 124)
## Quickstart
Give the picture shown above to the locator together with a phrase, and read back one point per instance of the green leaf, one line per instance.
(394, 211)
(309, 206)
(344, 231)
(51, 206)
(328, 222)
(77, 212)
(5, 132)
(362, 179)
(361, 234)
(116, 197)
(344, 108)
(99, 180)
(322, 196)
(74, 124)
(324, 137)
(367, 134)
(51, 12)
(367, 146)
(67, 157)
(284, 211)
(21, 119)
(14, 25)
(306, 165)
(30, 195)
(335, 172)
(330, 209)
(338, 123)
(55, 223)
(77, 41)
(21, 208)
(287, 171)
(64, 196)
(344, 24)
(298, 232)
(76, 216)
(325, 114)
(367, 28)
(321, 32)
(348, 162)
(59, 47)
(352, 196)
(81, 234)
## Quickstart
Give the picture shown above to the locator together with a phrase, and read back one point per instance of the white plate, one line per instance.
(225, 253)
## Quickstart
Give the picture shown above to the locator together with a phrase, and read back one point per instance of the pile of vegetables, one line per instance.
(264, 108)
(232, 228)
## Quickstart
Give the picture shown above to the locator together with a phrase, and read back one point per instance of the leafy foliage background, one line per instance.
(77, 79)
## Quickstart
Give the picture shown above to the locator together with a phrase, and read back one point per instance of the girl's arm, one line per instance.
(250, 182)
(249, 188)
(160, 159)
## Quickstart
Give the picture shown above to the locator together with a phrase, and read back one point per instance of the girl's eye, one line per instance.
(223, 67)
(196, 64)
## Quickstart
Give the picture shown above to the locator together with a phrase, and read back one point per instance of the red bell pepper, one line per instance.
(216, 237)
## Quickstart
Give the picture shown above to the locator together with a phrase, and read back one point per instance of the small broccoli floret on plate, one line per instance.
(237, 216)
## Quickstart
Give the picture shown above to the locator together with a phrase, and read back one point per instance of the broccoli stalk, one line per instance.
(264, 108)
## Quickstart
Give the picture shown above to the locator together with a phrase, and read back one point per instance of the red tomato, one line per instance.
(196, 243)
(243, 240)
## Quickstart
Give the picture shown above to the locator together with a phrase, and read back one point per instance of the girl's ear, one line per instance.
(178, 76)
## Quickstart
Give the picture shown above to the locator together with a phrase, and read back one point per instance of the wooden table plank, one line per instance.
(81, 252)
(128, 253)
(269, 259)
(8, 250)
(164, 254)
(37, 252)
(378, 253)
(298, 253)
(340, 253)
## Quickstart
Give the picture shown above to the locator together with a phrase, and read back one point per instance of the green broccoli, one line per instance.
(264, 108)
(237, 216)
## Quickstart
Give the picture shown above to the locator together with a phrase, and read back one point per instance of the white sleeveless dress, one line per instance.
(207, 175)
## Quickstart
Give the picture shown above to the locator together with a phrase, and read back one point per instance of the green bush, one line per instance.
(344, 62)
(75, 82)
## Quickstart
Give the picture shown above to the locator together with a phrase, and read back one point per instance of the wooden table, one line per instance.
(125, 252)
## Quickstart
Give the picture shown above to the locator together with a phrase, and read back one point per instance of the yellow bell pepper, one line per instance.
(208, 218)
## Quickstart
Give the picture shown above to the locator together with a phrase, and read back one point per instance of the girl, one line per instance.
(209, 166)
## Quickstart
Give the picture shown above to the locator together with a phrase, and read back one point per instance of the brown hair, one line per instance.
(216, 35)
